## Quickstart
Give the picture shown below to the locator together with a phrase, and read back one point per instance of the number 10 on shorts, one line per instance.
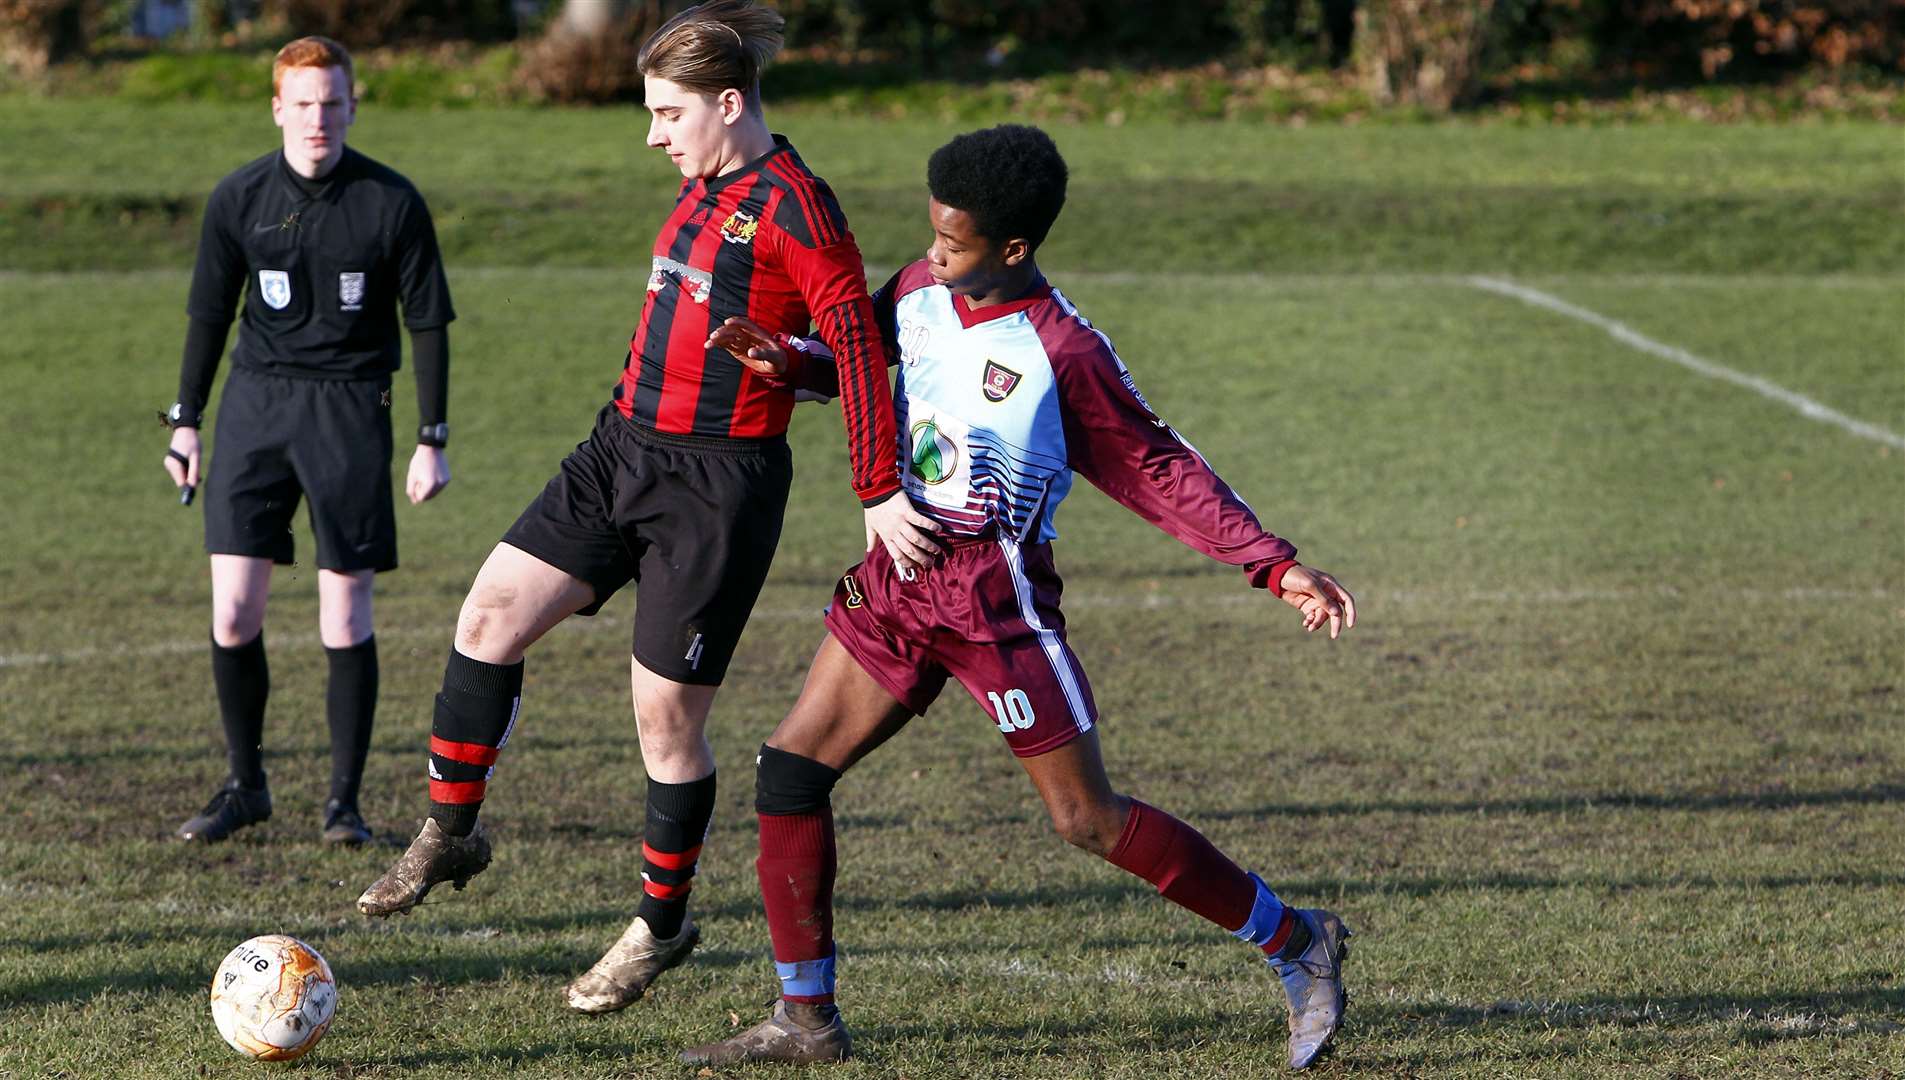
(1013, 711)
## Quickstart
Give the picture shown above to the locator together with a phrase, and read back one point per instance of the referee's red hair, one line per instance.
(311, 52)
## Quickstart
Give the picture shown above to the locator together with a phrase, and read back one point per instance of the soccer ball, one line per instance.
(273, 998)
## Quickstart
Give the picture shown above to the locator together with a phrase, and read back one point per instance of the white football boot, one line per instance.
(1314, 982)
(625, 972)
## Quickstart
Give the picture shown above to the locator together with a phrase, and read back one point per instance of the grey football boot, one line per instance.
(1314, 983)
(800, 1035)
(433, 858)
(232, 808)
(624, 973)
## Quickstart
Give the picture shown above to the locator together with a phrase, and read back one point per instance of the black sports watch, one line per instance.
(437, 435)
(179, 416)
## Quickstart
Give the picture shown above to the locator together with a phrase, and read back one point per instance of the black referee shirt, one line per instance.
(322, 265)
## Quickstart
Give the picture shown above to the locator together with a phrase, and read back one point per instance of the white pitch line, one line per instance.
(1625, 334)
(1103, 601)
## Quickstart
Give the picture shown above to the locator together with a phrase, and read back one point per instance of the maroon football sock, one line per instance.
(1187, 869)
(796, 867)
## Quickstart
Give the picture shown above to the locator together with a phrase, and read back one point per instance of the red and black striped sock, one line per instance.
(476, 710)
(678, 816)
(797, 866)
(1189, 871)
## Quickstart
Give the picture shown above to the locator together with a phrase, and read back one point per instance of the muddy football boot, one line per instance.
(434, 857)
(343, 825)
(781, 1037)
(624, 973)
(231, 809)
(1314, 982)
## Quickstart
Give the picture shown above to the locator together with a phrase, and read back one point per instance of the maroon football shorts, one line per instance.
(985, 614)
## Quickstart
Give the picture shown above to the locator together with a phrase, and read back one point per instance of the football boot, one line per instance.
(433, 858)
(343, 825)
(624, 973)
(1314, 982)
(798, 1034)
(232, 808)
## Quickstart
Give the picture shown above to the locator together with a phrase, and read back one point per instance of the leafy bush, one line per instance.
(35, 33)
(1684, 41)
(1754, 37)
(362, 23)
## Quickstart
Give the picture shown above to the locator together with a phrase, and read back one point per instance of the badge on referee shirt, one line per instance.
(275, 287)
(350, 290)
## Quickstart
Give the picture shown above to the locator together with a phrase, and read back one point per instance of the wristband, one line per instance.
(1275, 581)
(437, 435)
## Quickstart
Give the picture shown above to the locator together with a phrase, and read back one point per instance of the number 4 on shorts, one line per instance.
(1013, 711)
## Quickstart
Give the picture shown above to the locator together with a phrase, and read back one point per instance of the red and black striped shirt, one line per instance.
(767, 241)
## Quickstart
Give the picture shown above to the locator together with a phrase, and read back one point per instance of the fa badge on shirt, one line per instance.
(275, 287)
(350, 290)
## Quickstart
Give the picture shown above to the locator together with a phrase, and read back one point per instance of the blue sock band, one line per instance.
(1266, 914)
(806, 978)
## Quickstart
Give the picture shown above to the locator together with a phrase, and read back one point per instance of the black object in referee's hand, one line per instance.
(186, 491)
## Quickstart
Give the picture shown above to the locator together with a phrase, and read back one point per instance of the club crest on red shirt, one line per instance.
(740, 228)
(999, 380)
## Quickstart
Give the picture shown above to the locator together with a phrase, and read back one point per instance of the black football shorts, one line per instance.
(692, 521)
(278, 440)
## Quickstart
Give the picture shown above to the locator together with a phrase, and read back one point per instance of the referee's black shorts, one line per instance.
(692, 521)
(280, 439)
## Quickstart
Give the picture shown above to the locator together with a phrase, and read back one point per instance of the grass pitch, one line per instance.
(1608, 781)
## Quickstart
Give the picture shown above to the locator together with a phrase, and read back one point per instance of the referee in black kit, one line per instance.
(322, 242)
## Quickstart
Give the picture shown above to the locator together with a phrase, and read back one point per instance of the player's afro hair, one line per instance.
(1009, 178)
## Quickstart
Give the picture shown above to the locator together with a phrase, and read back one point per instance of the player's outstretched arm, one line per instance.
(1321, 599)
(805, 365)
(754, 347)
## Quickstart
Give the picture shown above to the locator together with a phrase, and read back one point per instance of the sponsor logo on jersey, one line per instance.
(274, 286)
(934, 456)
(1124, 376)
(697, 283)
(700, 217)
(999, 380)
(740, 228)
(350, 290)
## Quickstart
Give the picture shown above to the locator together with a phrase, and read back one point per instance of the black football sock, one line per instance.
(476, 710)
(678, 816)
(350, 704)
(243, 681)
